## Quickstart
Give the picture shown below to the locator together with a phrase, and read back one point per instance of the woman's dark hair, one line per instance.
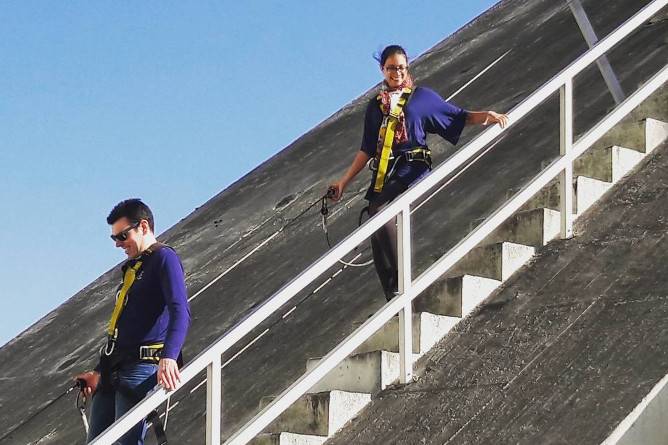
(390, 50)
(132, 209)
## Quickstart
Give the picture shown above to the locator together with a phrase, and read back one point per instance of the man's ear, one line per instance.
(144, 226)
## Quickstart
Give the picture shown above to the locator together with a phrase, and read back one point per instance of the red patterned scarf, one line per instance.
(400, 133)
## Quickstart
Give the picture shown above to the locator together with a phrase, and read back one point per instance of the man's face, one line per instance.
(134, 234)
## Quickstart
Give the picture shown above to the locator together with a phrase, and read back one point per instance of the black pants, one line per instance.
(384, 241)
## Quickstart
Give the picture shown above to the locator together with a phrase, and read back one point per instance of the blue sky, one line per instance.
(168, 101)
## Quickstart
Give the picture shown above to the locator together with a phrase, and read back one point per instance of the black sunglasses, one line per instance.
(123, 234)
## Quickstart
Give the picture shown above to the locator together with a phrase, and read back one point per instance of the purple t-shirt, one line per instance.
(425, 112)
(157, 308)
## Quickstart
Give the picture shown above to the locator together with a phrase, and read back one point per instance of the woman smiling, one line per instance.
(396, 125)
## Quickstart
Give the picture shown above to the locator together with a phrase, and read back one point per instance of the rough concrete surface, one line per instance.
(562, 352)
(542, 37)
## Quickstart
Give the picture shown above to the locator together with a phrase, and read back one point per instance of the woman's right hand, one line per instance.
(335, 191)
(358, 164)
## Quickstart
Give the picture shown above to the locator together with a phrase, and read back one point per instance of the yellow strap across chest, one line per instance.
(128, 280)
(387, 130)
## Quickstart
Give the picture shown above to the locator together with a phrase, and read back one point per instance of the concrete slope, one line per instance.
(563, 352)
(243, 220)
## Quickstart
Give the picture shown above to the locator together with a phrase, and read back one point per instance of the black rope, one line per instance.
(324, 211)
(290, 221)
(80, 404)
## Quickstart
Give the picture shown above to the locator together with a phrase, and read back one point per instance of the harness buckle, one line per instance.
(418, 154)
(150, 352)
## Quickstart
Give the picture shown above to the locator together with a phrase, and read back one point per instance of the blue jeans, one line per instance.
(131, 383)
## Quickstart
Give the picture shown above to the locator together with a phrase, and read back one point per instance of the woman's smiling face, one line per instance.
(395, 70)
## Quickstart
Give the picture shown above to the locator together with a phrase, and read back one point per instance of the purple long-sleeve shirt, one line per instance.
(157, 308)
(425, 112)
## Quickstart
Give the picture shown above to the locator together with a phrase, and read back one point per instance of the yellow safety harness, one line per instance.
(149, 352)
(386, 134)
(121, 301)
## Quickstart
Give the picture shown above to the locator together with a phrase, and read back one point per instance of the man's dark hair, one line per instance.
(132, 209)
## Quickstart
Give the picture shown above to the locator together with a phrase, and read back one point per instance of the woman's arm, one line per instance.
(486, 118)
(357, 165)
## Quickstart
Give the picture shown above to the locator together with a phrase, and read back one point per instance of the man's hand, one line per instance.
(168, 374)
(493, 117)
(335, 191)
(91, 379)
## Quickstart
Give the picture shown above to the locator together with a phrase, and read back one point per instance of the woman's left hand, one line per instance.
(492, 117)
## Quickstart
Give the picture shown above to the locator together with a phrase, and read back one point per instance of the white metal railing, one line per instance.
(590, 37)
(210, 358)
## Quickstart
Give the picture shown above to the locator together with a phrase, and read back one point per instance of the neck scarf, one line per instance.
(400, 134)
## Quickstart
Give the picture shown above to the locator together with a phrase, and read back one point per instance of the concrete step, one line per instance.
(642, 135)
(535, 227)
(496, 261)
(320, 414)
(608, 164)
(656, 132)
(455, 296)
(586, 191)
(287, 439)
(369, 372)
(428, 329)
(602, 165)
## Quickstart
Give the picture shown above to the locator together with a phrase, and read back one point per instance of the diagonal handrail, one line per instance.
(210, 358)
(436, 270)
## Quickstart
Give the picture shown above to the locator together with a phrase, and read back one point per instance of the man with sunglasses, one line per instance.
(147, 328)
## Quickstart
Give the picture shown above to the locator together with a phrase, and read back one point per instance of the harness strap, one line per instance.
(386, 133)
(422, 154)
(153, 417)
(158, 429)
(121, 299)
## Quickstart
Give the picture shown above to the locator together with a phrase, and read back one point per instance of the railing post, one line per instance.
(214, 380)
(565, 144)
(404, 252)
(603, 64)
